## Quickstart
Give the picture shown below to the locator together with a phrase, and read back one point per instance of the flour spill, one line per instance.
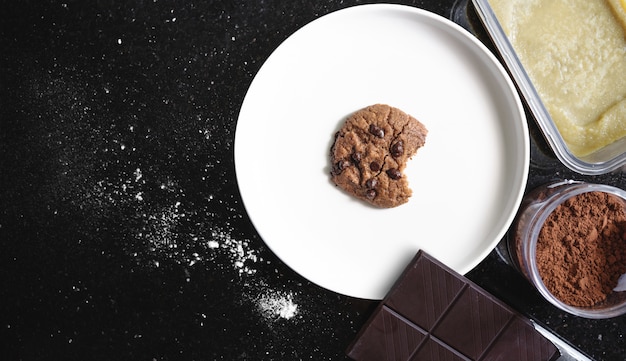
(276, 304)
(133, 188)
(240, 253)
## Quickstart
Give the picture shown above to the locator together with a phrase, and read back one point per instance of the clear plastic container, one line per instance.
(605, 160)
(536, 207)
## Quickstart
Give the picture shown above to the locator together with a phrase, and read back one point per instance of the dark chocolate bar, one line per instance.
(433, 313)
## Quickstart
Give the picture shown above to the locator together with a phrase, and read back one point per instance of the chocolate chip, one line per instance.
(371, 193)
(397, 149)
(371, 183)
(377, 131)
(374, 166)
(340, 166)
(394, 174)
(356, 157)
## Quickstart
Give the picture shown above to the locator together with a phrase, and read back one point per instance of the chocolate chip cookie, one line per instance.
(370, 152)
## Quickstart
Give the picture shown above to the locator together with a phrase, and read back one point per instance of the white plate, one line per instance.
(467, 180)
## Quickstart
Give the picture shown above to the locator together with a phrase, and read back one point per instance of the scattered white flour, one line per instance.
(275, 304)
(159, 227)
(101, 168)
(239, 251)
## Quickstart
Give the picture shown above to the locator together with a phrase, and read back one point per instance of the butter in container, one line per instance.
(568, 58)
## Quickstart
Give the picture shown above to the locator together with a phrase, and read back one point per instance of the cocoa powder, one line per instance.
(581, 248)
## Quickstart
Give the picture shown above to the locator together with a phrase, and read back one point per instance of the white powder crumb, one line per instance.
(274, 304)
(238, 251)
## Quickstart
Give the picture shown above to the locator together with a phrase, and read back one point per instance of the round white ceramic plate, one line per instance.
(467, 180)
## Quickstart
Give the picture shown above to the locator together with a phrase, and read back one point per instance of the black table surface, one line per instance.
(122, 231)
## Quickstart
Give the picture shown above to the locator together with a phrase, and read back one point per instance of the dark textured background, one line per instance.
(122, 231)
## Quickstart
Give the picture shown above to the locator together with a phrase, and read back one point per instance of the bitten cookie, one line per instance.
(370, 152)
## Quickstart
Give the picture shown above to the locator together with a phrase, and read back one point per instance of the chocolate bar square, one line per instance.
(432, 313)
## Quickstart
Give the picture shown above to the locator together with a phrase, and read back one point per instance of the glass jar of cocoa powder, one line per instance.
(569, 240)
